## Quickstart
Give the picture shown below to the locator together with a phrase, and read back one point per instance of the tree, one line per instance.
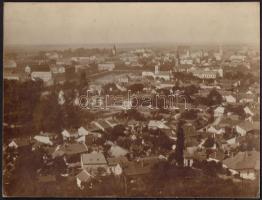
(189, 114)
(137, 87)
(179, 157)
(209, 142)
(124, 142)
(20, 100)
(83, 80)
(48, 115)
(117, 131)
(71, 116)
(214, 98)
(135, 114)
(190, 90)
(110, 88)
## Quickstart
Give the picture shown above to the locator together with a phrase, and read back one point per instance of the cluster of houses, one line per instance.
(227, 133)
(83, 151)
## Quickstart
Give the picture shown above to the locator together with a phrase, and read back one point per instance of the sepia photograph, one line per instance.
(131, 99)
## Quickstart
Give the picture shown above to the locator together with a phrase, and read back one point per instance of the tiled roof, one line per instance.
(74, 148)
(248, 126)
(93, 158)
(84, 176)
(244, 160)
(122, 160)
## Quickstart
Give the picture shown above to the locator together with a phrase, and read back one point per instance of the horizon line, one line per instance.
(150, 43)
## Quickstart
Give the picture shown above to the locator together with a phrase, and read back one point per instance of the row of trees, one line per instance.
(20, 100)
(24, 103)
(50, 116)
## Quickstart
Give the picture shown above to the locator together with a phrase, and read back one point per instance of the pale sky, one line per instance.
(83, 23)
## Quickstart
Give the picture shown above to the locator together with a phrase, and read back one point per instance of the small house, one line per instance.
(244, 127)
(230, 99)
(154, 124)
(219, 111)
(68, 134)
(18, 143)
(82, 131)
(82, 178)
(246, 163)
(116, 165)
(92, 161)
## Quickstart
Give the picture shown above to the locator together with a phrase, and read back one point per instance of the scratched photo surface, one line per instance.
(131, 100)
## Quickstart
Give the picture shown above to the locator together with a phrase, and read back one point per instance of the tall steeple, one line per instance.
(114, 50)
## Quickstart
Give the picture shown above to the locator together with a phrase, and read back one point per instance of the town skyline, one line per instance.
(89, 111)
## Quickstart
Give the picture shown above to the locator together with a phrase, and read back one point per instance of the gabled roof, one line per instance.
(74, 148)
(43, 139)
(164, 73)
(101, 124)
(244, 160)
(84, 176)
(158, 124)
(93, 158)
(82, 131)
(248, 126)
(70, 132)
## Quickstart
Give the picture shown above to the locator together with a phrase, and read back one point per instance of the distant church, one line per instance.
(114, 51)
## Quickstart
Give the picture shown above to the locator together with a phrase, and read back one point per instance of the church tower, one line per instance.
(114, 50)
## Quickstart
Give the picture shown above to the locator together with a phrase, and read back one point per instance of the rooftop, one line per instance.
(244, 160)
(93, 158)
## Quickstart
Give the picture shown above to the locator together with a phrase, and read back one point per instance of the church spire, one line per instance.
(114, 50)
